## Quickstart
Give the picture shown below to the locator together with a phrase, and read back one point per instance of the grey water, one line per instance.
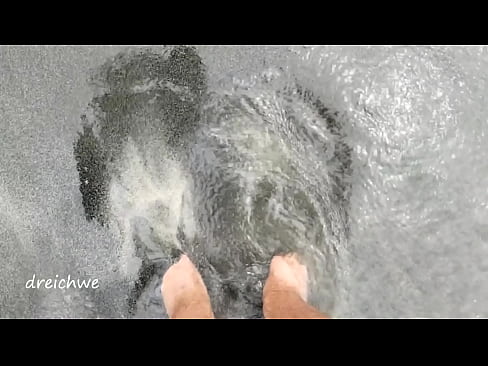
(371, 162)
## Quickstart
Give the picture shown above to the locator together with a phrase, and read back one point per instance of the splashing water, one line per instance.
(368, 161)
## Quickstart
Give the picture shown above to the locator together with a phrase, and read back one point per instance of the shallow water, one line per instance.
(370, 161)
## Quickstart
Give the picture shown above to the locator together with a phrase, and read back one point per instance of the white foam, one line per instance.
(156, 195)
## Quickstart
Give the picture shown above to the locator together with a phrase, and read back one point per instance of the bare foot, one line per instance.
(184, 292)
(288, 274)
(285, 292)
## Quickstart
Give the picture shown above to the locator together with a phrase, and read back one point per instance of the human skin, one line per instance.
(184, 293)
(284, 295)
(285, 292)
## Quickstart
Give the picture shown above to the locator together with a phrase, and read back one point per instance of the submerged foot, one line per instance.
(184, 292)
(286, 289)
(286, 273)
